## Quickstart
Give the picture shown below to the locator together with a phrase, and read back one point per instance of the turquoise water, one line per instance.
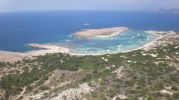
(127, 40)
(20, 28)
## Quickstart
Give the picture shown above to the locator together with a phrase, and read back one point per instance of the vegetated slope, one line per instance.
(152, 74)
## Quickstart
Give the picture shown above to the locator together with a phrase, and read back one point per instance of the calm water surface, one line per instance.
(20, 28)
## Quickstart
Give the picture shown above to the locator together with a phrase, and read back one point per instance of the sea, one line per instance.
(17, 29)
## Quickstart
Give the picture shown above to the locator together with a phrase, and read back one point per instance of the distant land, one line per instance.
(172, 10)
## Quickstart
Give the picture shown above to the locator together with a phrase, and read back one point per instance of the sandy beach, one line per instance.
(46, 48)
(105, 32)
(6, 56)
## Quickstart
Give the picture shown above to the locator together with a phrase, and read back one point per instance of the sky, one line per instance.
(31, 5)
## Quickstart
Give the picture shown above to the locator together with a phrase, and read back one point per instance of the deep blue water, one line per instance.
(20, 28)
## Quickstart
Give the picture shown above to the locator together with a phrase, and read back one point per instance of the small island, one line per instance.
(104, 32)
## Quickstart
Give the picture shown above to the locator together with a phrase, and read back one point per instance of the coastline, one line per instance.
(7, 56)
(156, 42)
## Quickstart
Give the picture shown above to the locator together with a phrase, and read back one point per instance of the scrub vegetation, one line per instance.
(151, 75)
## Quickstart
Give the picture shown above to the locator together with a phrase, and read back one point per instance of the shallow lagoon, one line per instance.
(128, 40)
